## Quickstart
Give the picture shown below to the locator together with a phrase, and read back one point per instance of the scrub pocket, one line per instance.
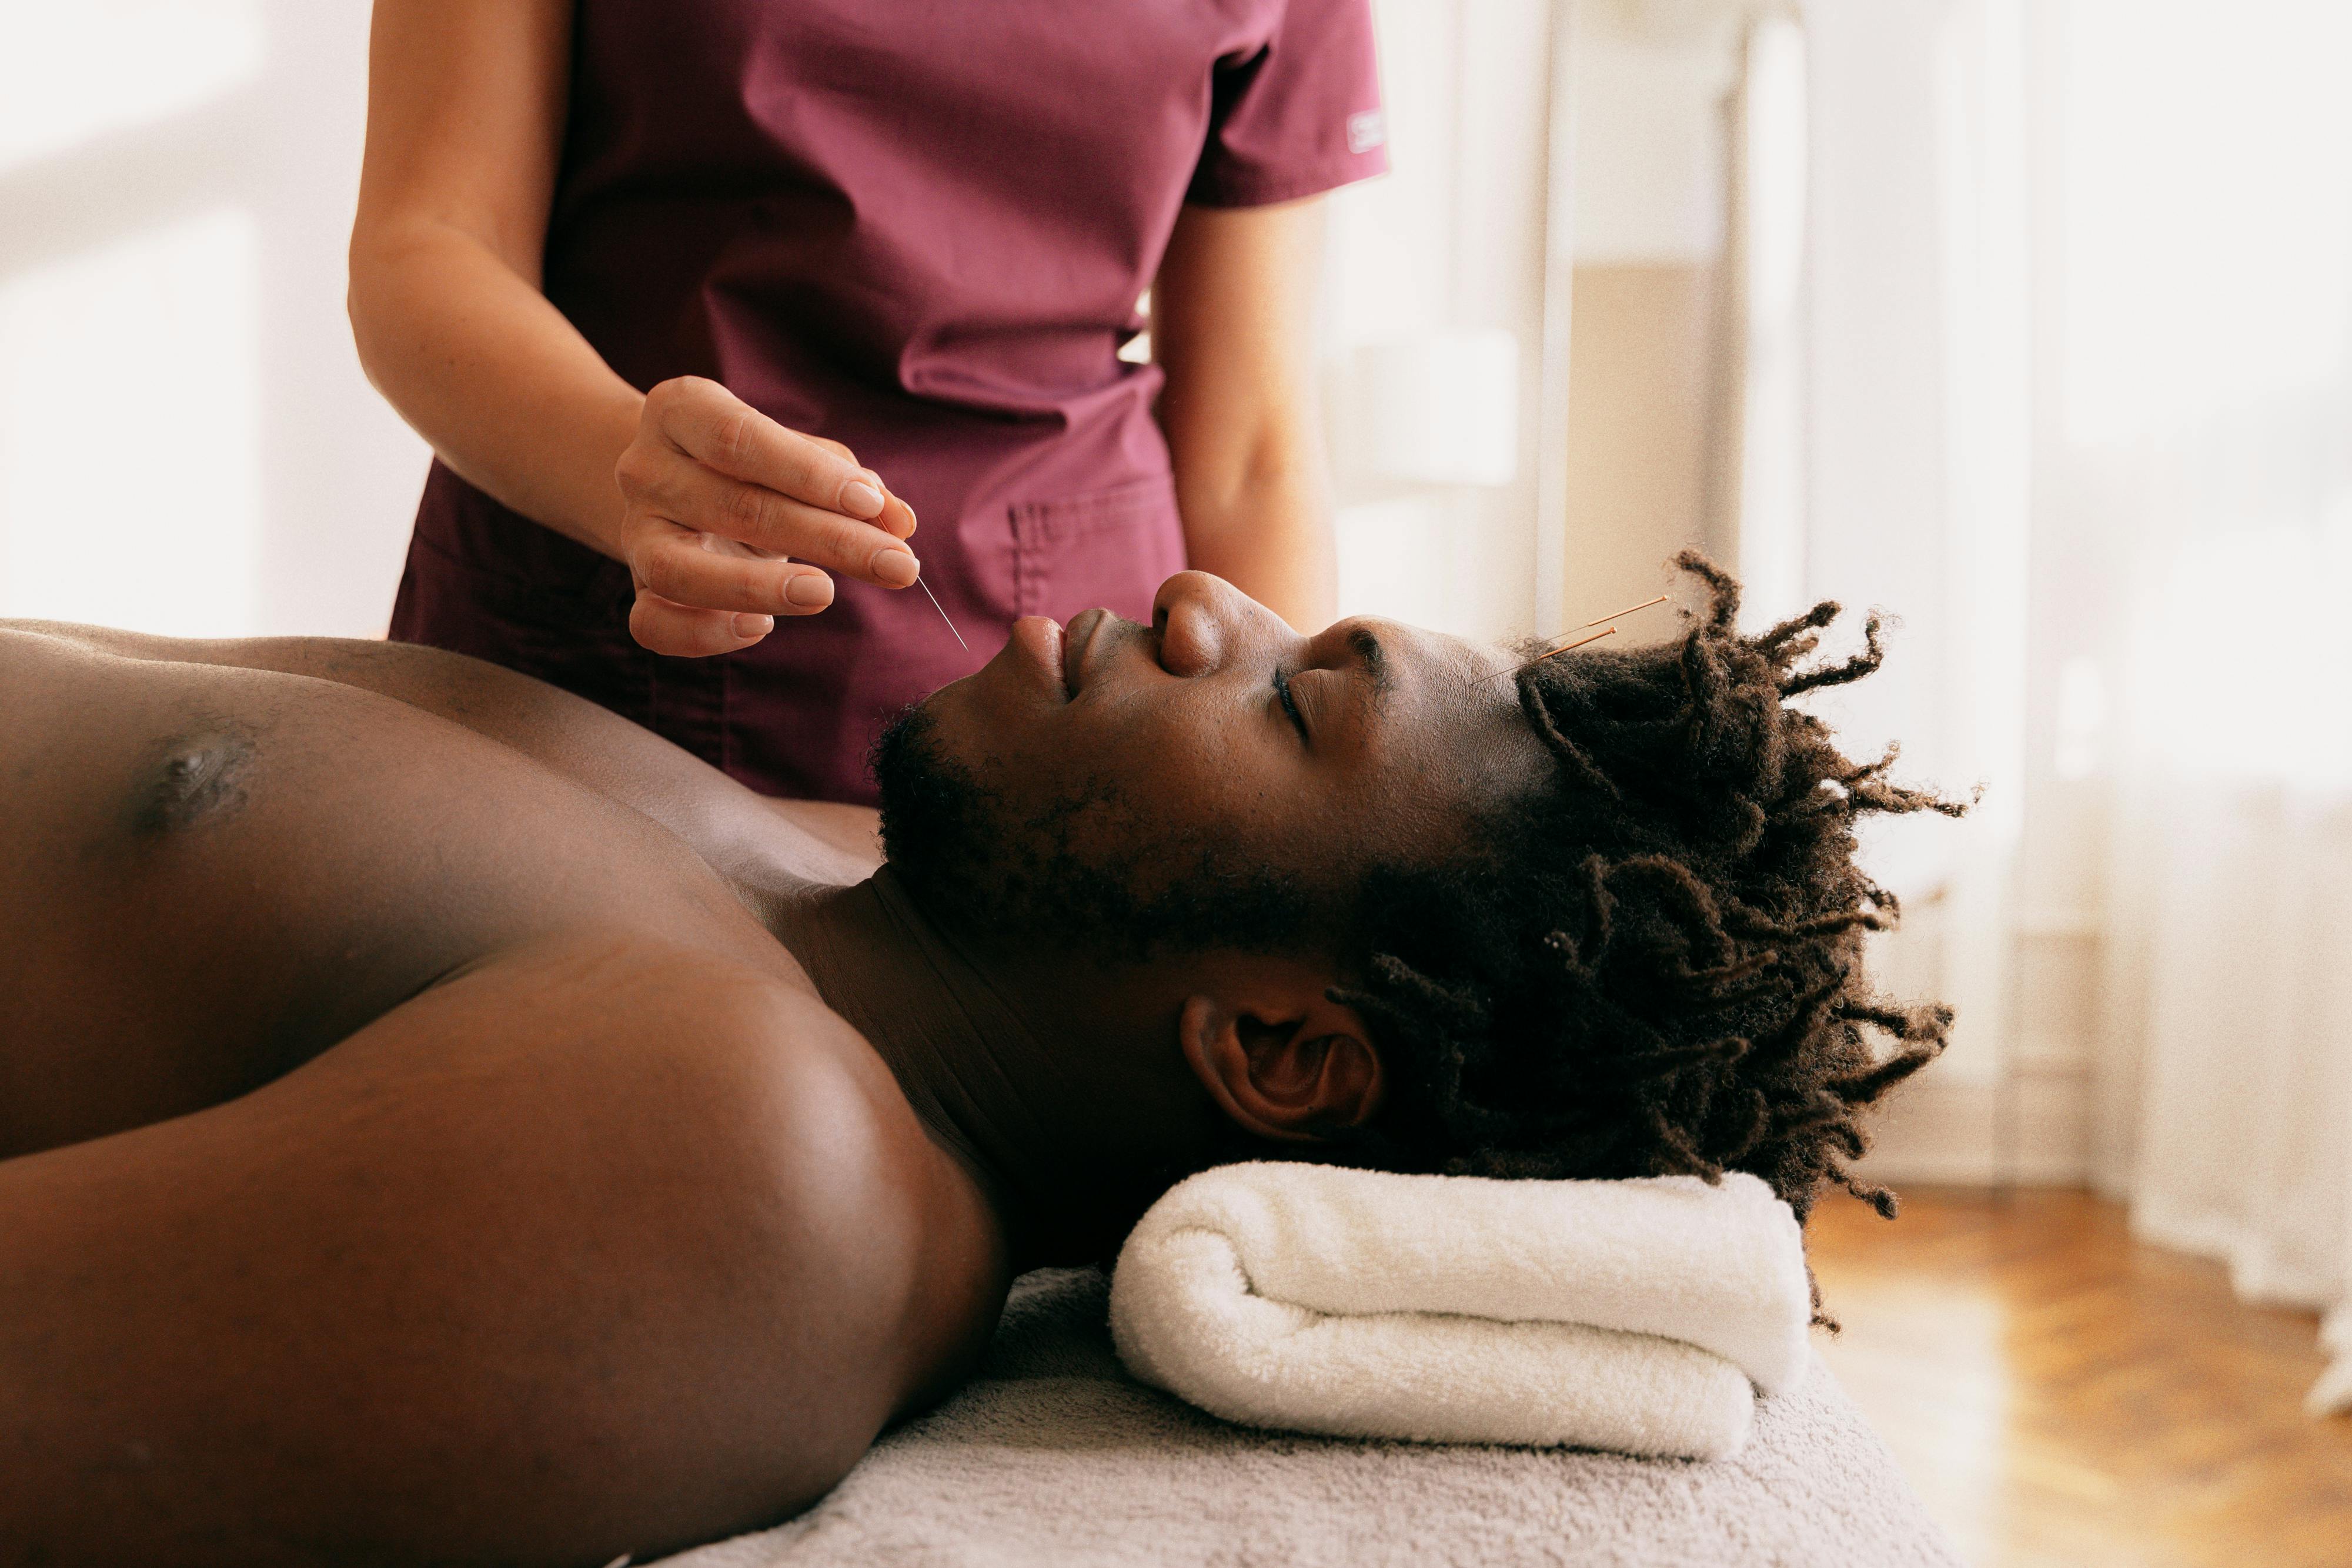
(1112, 548)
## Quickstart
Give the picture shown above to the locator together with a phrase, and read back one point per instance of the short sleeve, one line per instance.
(1299, 114)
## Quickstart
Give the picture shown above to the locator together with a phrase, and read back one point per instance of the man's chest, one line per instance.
(214, 875)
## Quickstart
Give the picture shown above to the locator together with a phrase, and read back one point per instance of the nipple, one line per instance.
(199, 776)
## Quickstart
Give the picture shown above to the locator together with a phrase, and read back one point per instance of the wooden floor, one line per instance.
(2064, 1397)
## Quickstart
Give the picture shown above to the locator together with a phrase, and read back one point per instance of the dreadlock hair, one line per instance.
(1653, 966)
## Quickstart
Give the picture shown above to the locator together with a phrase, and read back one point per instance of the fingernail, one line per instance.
(860, 500)
(754, 625)
(809, 590)
(896, 567)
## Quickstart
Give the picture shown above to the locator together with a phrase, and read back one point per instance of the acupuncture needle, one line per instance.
(943, 614)
(1608, 629)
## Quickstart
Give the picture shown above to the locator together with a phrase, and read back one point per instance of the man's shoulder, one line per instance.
(766, 1060)
(872, 1229)
(785, 1150)
(746, 1052)
(775, 1066)
(782, 1144)
(738, 1067)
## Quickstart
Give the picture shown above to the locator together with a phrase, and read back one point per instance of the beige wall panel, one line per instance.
(1637, 423)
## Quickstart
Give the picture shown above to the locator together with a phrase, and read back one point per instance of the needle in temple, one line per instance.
(1595, 637)
(1622, 614)
(1564, 647)
(1581, 642)
(943, 614)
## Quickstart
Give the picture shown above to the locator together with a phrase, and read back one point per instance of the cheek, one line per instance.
(1141, 780)
(1163, 763)
(1213, 771)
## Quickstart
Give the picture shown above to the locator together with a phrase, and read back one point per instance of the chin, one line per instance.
(949, 730)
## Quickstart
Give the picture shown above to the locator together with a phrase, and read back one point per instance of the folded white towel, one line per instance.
(1629, 1315)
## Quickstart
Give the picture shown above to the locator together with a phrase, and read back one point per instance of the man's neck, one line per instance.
(990, 1080)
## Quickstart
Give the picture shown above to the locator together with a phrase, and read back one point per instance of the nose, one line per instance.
(1204, 621)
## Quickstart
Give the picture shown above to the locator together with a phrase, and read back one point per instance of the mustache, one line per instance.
(1107, 638)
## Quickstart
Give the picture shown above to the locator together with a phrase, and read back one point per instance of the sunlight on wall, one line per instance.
(71, 72)
(2207, 317)
(1439, 264)
(2082, 717)
(2206, 243)
(1386, 271)
(1649, 144)
(1772, 475)
(1390, 561)
(2206, 716)
(130, 489)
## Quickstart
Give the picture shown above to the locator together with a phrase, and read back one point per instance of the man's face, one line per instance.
(1210, 779)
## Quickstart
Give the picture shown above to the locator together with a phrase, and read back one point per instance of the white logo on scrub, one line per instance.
(1367, 131)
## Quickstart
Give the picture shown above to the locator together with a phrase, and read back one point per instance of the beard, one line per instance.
(1080, 868)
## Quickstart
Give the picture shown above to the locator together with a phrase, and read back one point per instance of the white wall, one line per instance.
(187, 440)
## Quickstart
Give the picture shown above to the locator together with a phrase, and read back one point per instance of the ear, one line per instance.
(1297, 1067)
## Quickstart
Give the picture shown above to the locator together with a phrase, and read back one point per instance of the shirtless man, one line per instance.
(442, 1122)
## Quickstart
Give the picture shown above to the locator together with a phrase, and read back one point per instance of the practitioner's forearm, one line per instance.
(480, 364)
(1230, 314)
(1253, 482)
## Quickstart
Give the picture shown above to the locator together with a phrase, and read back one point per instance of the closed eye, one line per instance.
(1290, 706)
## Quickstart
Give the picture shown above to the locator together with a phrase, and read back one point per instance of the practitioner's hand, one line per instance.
(730, 516)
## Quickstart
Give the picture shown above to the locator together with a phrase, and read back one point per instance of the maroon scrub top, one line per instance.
(920, 227)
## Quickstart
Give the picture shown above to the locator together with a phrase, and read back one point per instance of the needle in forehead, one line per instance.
(943, 615)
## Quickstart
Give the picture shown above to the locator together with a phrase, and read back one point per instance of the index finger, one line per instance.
(713, 427)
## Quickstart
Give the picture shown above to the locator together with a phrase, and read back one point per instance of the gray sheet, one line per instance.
(1053, 1457)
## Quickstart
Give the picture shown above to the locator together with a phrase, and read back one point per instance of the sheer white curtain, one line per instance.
(2199, 304)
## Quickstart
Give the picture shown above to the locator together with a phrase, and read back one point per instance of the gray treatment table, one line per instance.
(1053, 1456)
